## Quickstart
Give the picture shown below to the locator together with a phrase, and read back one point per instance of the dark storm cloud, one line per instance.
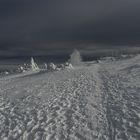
(39, 27)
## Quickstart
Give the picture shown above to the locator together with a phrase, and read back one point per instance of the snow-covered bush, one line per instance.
(52, 66)
(23, 68)
(60, 67)
(68, 65)
(75, 58)
(46, 66)
(6, 72)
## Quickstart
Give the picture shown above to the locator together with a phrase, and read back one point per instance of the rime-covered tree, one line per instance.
(75, 58)
(34, 66)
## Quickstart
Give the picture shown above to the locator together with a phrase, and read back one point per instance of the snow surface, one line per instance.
(95, 102)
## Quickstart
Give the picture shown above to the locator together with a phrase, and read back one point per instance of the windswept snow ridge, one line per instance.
(94, 102)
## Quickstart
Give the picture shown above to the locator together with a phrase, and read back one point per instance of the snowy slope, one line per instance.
(95, 102)
(121, 82)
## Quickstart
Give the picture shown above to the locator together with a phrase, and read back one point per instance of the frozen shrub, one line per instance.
(46, 66)
(52, 66)
(75, 58)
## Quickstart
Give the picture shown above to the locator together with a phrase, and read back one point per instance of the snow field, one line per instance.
(94, 102)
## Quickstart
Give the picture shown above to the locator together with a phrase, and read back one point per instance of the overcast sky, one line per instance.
(40, 27)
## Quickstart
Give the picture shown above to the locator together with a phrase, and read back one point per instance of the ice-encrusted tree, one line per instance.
(46, 66)
(34, 65)
(75, 58)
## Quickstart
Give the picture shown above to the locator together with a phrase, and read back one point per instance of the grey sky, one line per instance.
(40, 27)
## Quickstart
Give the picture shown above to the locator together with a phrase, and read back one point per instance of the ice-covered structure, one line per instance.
(75, 58)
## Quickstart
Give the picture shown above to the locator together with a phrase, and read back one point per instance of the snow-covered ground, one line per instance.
(100, 101)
